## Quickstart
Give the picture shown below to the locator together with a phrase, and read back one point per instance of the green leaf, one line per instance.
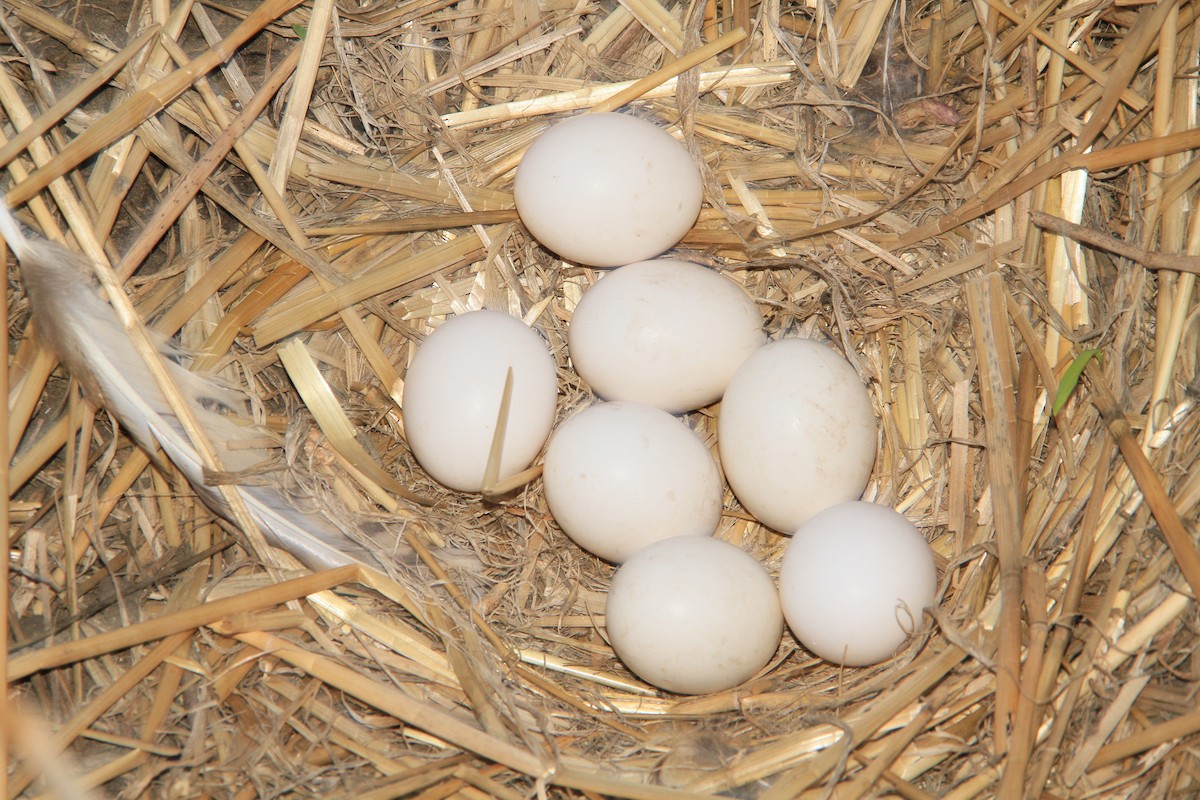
(1070, 378)
(301, 30)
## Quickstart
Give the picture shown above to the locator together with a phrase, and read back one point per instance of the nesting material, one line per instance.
(987, 210)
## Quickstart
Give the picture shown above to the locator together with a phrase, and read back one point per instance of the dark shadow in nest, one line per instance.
(892, 87)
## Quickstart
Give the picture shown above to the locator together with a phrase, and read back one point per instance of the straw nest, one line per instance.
(970, 200)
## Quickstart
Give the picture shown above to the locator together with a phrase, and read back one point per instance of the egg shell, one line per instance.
(666, 333)
(607, 189)
(620, 476)
(452, 394)
(853, 582)
(796, 432)
(693, 615)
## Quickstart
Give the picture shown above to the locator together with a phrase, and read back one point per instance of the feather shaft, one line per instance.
(175, 410)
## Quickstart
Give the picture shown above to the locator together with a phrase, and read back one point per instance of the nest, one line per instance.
(989, 211)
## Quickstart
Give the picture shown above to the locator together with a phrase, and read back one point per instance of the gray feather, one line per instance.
(84, 332)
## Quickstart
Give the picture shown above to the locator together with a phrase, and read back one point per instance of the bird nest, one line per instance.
(987, 208)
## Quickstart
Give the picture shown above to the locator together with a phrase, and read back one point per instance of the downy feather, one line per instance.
(79, 327)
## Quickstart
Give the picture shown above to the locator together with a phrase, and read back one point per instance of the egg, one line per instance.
(667, 333)
(796, 432)
(620, 476)
(853, 582)
(693, 614)
(452, 394)
(607, 189)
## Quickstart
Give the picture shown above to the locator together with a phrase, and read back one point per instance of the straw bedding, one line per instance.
(988, 207)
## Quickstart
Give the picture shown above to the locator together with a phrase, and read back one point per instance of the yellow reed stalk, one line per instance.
(765, 227)
(380, 176)
(393, 633)
(1152, 260)
(1179, 312)
(114, 692)
(1010, 187)
(342, 435)
(1059, 48)
(391, 700)
(349, 735)
(438, 778)
(960, 266)
(960, 487)
(1135, 152)
(1065, 268)
(72, 99)
(598, 38)
(386, 277)
(311, 262)
(880, 762)
(6, 492)
(152, 748)
(215, 276)
(1004, 186)
(1175, 729)
(1173, 530)
(556, 664)
(146, 102)
(755, 75)
(994, 352)
(186, 188)
(857, 34)
(911, 413)
(505, 56)
(34, 380)
(1116, 711)
(34, 15)
(261, 178)
(974, 786)
(1178, 232)
(769, 759)
(111, 280)
(493, 485)
(287, 139)
(1049, 379)
(185, 595)
(672, 70)
(658, 21)
(1029, 709)
(416, 224)
(181, 621)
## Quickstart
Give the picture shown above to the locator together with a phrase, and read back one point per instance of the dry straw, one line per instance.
(989, 207)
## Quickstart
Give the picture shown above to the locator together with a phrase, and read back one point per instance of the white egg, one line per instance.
(666, 333)
(853, 582)
(693, 615)
(620, 476)
(452, 394)
(796, 432)
(607, 189)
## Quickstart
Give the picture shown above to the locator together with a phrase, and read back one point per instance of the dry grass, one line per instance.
(300, 189)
